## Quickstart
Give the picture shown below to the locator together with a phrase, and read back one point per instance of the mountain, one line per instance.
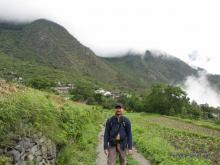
(43, 48)
(49, 44)
(150, 68)
(214, 80)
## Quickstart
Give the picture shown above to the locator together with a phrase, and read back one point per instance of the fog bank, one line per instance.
(200, 90)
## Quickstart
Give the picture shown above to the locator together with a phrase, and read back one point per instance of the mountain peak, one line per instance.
(48, 43)
(45, 22)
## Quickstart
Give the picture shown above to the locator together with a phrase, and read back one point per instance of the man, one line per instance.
(117, 137)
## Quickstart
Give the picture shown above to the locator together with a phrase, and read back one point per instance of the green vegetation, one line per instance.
(165, 142)
(144, 70)
(130, 161)
(48, 45)
(85, 92)
(161, 98)
(12, 68)
(201, 122)
(72, 126)
(169, 100)
(191, 139)
(43, 53)
(45, 49)
(41, 83)
(4, 159)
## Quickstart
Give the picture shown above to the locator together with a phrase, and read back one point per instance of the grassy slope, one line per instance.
(142, 71)
(29, 70)
(49, 44)
(169, 141)
(72, 126)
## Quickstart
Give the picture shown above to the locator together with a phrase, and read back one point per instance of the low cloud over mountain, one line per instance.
(200, 90)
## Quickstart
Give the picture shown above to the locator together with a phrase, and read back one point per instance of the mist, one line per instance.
(200, 90)
(110, 28)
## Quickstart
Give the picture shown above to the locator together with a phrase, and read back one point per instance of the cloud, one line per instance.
(200, 90)
(109, 27)
(193, 56)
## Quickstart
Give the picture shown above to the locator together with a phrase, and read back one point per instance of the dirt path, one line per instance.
(140, 158)
(101, 158)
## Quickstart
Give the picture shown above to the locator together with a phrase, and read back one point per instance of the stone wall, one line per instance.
(32, 150)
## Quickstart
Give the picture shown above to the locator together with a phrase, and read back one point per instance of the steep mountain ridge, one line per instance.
(48, 43)
(150, 68)
(47, 49)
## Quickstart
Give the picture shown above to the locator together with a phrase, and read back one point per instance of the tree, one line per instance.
(165, 99)
(82, 93)
(41, 83)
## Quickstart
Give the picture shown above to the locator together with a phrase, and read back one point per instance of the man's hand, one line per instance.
(106, 152)
(130, 152)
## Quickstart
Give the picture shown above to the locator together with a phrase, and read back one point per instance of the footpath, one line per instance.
(102, 158)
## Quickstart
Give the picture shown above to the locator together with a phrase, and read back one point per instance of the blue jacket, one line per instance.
(111, 127)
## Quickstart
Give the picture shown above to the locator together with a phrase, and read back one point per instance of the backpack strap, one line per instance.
(111, 122)
(122, 122)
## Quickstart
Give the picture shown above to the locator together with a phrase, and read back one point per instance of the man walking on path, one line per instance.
(117, 137)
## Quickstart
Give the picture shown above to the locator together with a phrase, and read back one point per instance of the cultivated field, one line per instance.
(167, 140)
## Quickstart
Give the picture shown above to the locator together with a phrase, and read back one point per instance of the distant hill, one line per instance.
(214, 80)
(45, 49)
(149, 68)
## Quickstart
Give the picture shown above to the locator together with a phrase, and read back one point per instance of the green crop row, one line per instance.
(166, 145)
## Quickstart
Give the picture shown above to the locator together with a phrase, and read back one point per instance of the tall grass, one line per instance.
(72, 126)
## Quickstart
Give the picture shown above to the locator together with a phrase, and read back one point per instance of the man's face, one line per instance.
(118, 110)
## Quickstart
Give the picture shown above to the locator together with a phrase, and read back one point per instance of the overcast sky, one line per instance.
(187, 29)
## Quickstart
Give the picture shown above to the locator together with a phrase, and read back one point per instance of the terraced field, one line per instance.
(166, 140)
(181, 125)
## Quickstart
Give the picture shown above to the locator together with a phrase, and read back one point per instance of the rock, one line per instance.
(23, 163)
(39, 159)
(34, 149)
(51, 153)
(43, 162)
(23, 154)
(39, 134)
(49, 142)
(27, 143)
(34, 138)
(37, 148)
(32, 144)
(42, 139)
(19, 148)
(15, 155)
(8, 163)
(53, 162)
(38, 153)
(44, 151)
(30, 157)
(1, 151)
